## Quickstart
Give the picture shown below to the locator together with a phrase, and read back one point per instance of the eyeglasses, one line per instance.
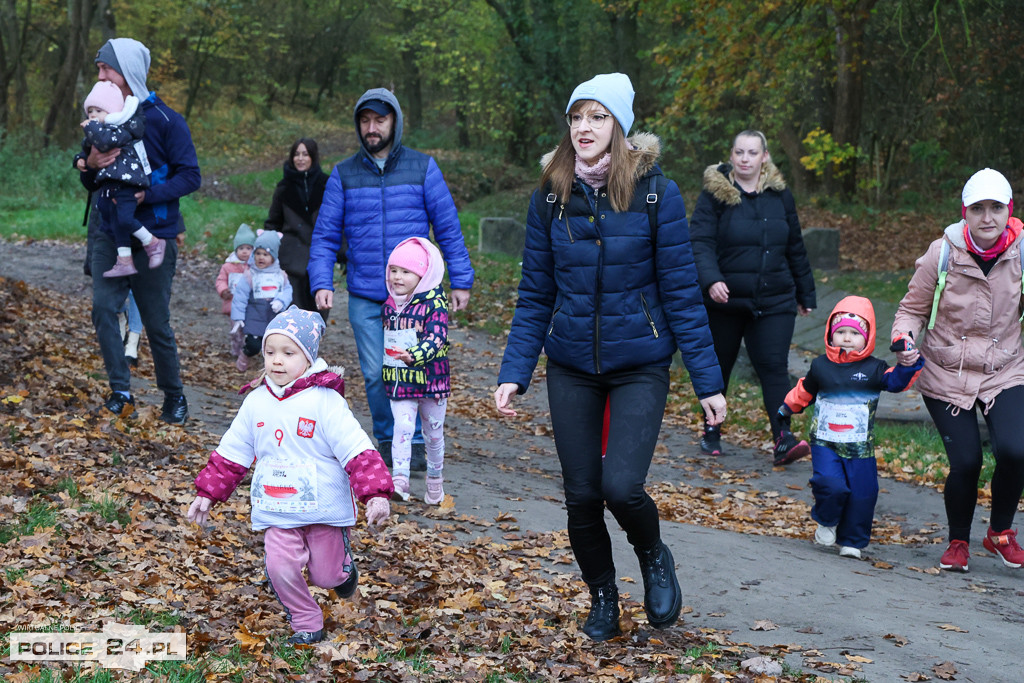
(596, 121)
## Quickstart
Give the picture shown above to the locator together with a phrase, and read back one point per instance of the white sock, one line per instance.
(124, 251)
(145, 236)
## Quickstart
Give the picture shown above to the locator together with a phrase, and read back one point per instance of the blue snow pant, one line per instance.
(845, 492)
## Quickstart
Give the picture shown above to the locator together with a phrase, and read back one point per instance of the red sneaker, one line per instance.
(1004, 544)
(956, 556)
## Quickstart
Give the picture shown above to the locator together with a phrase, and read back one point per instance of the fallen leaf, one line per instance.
(763, 625)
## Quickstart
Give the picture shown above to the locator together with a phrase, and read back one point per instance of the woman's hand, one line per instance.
(719, 293)
(803, 310)
(503, 398)
(714, 409)
(199, 510)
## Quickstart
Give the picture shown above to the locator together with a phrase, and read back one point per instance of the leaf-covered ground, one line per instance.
(92, 531)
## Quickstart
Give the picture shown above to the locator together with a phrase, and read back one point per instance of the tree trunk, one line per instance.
(851, 17)
(61, 114)
(12, 63)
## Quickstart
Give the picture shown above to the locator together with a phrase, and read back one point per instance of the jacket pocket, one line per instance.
(551, 328)
(999, 359)
(944, 356)
(647, 312)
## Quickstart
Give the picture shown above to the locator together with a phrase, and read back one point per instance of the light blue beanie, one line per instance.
(614, 91)
(269, 240)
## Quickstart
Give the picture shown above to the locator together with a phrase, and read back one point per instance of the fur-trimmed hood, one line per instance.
(647, 144)
(718, 181)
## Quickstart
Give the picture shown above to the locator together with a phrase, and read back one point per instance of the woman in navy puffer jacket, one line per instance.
(609, 291)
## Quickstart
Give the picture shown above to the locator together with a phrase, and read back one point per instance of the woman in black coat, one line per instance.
(755, 276)
(293, 212)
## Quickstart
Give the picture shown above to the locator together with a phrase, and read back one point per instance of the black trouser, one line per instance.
(637, 401)
(962, 440)
(767, 339)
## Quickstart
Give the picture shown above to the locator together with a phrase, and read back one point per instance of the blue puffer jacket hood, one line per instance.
(602, 292)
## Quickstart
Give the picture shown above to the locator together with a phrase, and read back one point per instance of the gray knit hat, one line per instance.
(244, 235)
(269, 240)
(305, 328)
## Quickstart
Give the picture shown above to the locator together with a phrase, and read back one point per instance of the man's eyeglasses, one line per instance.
(596, 121)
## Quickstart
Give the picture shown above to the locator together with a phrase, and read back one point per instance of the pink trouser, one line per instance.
(431, 412)
(321, 549)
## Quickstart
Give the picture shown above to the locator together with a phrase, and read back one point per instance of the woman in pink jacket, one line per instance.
(965, 297)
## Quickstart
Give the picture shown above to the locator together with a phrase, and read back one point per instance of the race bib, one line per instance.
(140, 150)
(395, 341)
(265, 285)
(842, 422)
(282, 486)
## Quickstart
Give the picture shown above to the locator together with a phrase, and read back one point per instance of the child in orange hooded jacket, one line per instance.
(845, 383)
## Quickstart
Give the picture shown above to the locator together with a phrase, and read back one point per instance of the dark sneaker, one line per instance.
(1004, 544)
(711, 441)
(175, 410)
(956, 556)
(418, 461)
(306, 637)
(117, 403)
(663, 600)
(348, 586)
(789, 449)
(603, 621)
(384, 448)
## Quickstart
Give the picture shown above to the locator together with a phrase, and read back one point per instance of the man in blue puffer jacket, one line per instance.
(380, 196)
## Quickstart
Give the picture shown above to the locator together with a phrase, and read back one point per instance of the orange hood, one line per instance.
(862, 307)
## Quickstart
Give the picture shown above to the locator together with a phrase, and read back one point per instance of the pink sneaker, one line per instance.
(956, 557)
(242, 363)
(1004, 544)
(155, 251)
(401, 488)
(122, 268)
(435, 491)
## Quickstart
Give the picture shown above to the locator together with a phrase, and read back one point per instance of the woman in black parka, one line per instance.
(755, 275)
(293, 212)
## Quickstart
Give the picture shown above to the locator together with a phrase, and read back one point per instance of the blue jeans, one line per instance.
(131, 309)
(368, 329)
(152, 290)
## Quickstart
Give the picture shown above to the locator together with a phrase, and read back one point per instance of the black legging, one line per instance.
(302, 297)
(767, 338)
(637, 405)
(962, 440)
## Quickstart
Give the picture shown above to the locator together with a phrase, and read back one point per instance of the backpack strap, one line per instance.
(549, 209)
(652, 208)
(1021, 254)
(940, 283)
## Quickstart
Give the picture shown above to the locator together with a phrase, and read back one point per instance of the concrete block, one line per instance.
(822, 248)
(502, 235)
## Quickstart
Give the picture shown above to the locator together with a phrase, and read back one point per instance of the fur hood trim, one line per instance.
(647, 144)
(718, 181)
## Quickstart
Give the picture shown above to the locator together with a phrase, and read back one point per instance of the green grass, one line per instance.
(110, 509)
(40, 515)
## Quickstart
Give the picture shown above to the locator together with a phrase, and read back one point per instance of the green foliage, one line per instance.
(40, 515)
(825, 154)
(110, 509)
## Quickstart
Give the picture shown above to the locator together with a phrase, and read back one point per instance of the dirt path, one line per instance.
(881, 619)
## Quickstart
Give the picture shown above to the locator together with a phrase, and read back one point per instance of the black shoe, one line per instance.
(306, 637)
(384, 448)
(175, 410)
(711, 441)
(788, 449)
(603, 621)
(662, 598)
(348, 586)
(418, 461)
(117, 403)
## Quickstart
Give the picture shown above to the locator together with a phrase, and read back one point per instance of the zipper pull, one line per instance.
(655, 329)
(560, 207)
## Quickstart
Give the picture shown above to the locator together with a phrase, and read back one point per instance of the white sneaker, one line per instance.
(847, 551)
(401, 488)
(825, 535)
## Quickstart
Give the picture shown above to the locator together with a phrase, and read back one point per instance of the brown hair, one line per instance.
(623, 172)
(311, 147)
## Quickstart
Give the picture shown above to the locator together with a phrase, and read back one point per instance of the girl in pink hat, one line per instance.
(416, 372)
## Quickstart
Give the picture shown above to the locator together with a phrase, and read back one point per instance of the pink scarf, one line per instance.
(597, 175)
(1013, 229)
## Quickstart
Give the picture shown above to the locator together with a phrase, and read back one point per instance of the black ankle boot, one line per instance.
(603, 620)
(662, 598)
